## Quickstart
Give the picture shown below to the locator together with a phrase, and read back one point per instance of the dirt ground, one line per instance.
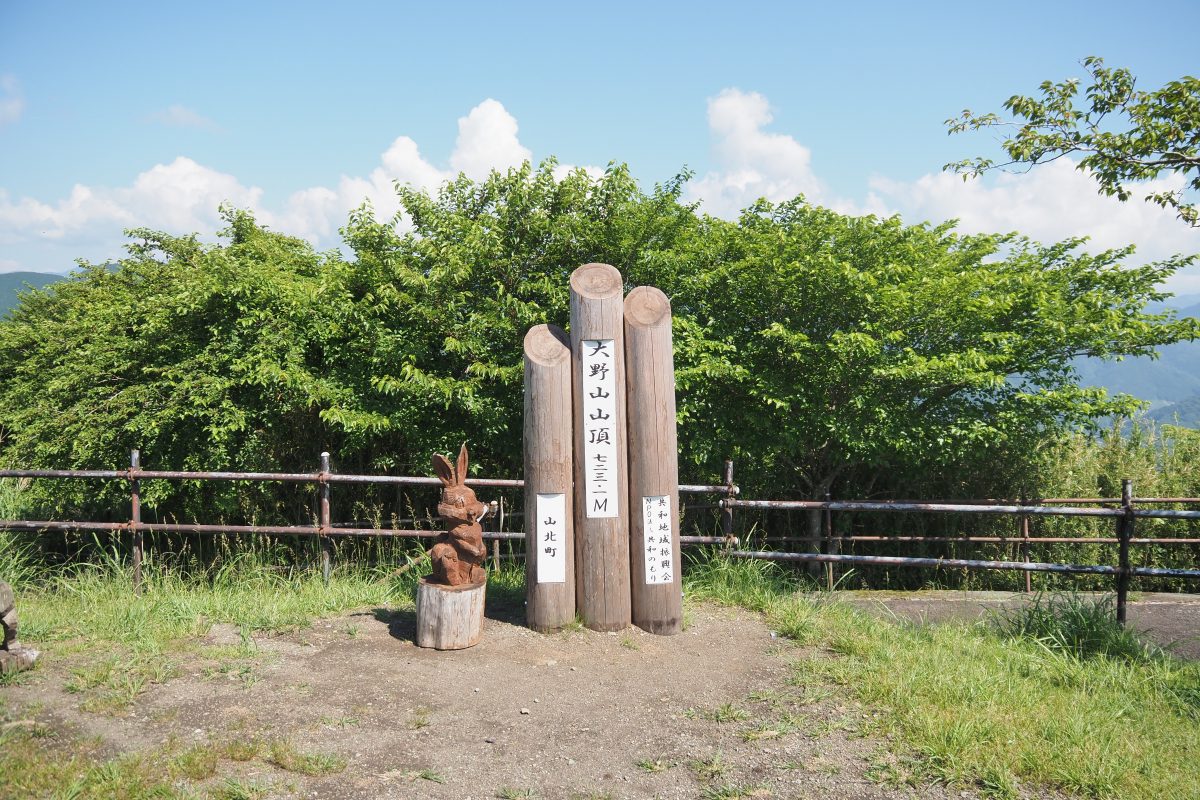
(707, 713)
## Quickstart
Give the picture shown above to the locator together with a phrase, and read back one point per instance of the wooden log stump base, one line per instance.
(449, 617)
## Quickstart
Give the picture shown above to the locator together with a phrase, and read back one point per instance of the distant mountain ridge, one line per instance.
(1170, 383)
(13, 282)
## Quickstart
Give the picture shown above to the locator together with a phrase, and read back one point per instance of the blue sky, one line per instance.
(122, 114)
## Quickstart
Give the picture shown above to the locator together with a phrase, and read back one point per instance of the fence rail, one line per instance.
(1123, 510)
(325, 529)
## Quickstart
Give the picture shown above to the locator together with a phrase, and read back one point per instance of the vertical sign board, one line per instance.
(599, 432)
(551, 538)
(549, 501)
(657, 600)
(658, 534)
(601, 474)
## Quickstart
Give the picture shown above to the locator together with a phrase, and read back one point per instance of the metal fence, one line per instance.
(324, 528)
(1124, 511)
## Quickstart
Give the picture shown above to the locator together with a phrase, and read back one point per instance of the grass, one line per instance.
(709, 769)
(1056, 695)
(509, 793)
(419, 718)
(1053, 696)
(284, 755)
(116, 646)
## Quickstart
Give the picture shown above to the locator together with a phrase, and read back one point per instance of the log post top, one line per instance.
(597, 281)
(547, 345)
(647, 307)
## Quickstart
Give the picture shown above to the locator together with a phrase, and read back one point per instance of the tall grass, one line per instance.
(1056, 696)
(1076, 625)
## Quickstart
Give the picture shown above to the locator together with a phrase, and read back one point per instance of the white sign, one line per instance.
(657, 537)
(551, 538)
(600, 477)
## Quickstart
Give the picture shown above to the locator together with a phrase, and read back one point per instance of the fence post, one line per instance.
(325, 522)
(135, 517)
(727, 511)
(1025, 549)
(829, 542)
(1124, 534)
(498, 510)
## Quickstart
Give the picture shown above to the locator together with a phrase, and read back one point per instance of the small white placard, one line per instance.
(598, 363)
(657, 536)
(551, 538)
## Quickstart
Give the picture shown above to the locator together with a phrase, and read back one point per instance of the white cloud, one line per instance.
(183, 196)
(178, 116)
(179, 197)
(12, 101)
(487, 140)
(752, 163)
(1050, 203)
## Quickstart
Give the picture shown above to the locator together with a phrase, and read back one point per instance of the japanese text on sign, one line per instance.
(551, 538)
(599, 428)
(656, 539)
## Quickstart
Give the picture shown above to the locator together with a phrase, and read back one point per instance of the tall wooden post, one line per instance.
(550, 541)
(653, 463)
(601, 477)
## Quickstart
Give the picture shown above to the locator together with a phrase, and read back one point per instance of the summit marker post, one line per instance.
(653, 512)
(601, 462)
(549, 543)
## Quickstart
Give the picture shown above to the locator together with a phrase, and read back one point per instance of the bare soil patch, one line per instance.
(708, 713)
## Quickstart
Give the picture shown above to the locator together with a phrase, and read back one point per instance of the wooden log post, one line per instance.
(601, 478)
(657, 597)
(449, 617)
(550, 541)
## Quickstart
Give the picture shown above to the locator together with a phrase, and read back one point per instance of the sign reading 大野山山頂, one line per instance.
(656, 538)
(551, 538)
(600, 428)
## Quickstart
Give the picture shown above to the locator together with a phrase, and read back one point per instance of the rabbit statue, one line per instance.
(458, 554)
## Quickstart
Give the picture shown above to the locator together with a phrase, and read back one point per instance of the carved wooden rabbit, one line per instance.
(459, 552)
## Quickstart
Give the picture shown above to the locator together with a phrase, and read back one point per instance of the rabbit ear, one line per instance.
(462, 464)
(444, 469)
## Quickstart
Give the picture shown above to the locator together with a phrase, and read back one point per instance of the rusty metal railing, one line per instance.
(1125, 513)
(325, 528)
(1123, 510)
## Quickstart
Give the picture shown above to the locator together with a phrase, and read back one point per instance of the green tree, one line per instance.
(889, 354)
(1123, 135)
(812, 346)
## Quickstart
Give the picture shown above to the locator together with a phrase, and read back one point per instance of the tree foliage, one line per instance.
(1123, 134)
(813, 347)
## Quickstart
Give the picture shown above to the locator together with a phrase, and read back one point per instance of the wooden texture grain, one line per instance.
(548, 460)
(653, 451)
(449, 617)
(601, 544)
